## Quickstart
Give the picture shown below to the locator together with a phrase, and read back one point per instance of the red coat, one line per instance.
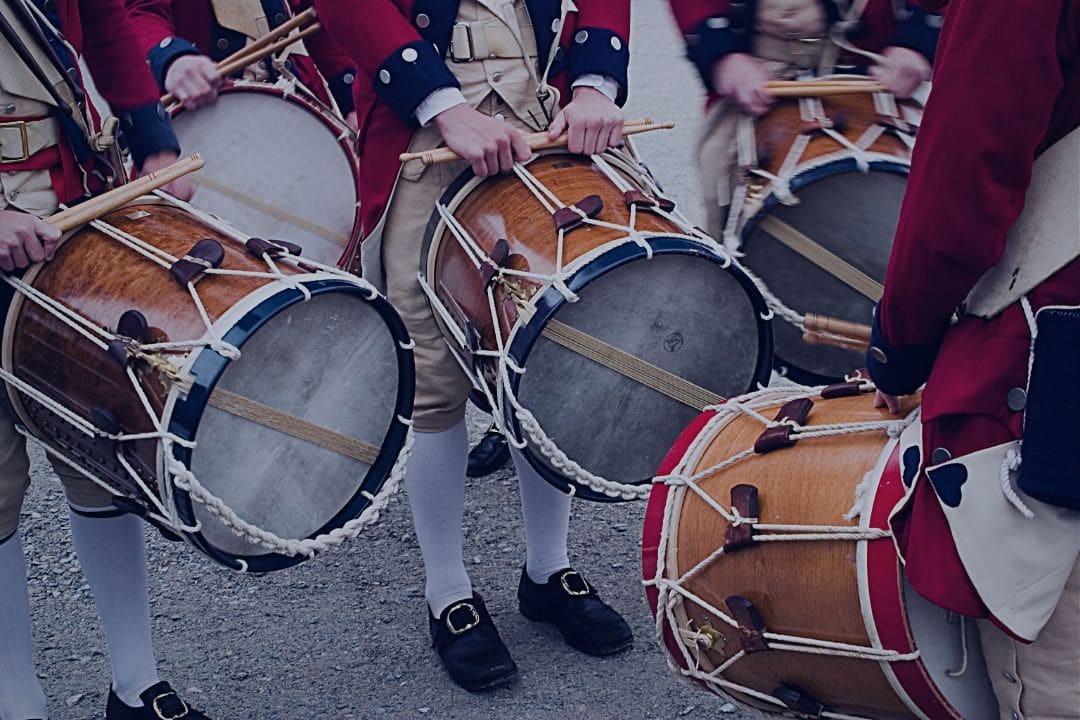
(100, 32)
(375, 33)
(1006, 86)
(168, 29)
(715, 28)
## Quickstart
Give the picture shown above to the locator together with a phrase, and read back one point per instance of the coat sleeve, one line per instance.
(402, 67)
(111, 52)
(333, 63)
(601, 42)
(712, 30)
(985, 120)
(155, 32)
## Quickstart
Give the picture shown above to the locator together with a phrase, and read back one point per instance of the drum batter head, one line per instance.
(677, 325)
(853, 217)
(275, 168)
(325, 370)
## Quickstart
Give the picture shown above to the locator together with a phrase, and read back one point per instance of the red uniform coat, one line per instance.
(168, 29)
(1006, 86)
(100, 32)
(715, 28)
(376, 34)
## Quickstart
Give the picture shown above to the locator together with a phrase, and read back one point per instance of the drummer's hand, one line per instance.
(352, 121)
(182, 188)
(491, 146)
(884, 400)
(902, 71)
(193, 80)
(742, 77)
(25, 239)
(591, 121)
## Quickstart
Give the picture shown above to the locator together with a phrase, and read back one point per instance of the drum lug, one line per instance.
(800, 701)
(489, 269)
(274, 248)
(568, 218)
(751, 626)
(206, 254)
(132, 327)
(744, 498)
(793, 412)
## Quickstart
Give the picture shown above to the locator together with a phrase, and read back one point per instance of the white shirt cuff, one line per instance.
(438, 101)
(603, 83)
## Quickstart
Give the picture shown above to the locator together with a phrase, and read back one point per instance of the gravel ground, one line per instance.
(345, 636)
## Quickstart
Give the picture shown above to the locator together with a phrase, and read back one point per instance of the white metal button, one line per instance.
(581, 37)
(384, 75)
(409, 55)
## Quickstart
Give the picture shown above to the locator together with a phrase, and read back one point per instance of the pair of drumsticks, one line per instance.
(272, 42)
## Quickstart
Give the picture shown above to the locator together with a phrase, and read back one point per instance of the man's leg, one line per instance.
(21, 696)
(1040, 681)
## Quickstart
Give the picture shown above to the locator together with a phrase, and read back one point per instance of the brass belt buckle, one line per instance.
(461, 43)
(24, 138)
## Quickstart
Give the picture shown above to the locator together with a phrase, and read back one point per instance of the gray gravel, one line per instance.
(345, 636)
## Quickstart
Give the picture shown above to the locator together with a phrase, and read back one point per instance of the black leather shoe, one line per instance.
(160, 702)
(490, 454)
(469, 646)
(572, 605)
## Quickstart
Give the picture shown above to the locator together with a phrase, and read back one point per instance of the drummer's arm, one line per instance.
(719, 41)
(334, 65)
(25, 239)
(909, 57)
(110, 50)
(970, 171)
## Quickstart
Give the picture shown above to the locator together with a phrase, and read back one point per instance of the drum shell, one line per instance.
(100, 278)
(505, 218)
(838, 590)
(827, 180)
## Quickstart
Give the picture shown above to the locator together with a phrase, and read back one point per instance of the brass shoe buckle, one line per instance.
(161, 714)
(572, 592)
(469, 625)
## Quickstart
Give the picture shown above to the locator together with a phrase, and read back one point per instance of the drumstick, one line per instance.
(821, 88)
(262, 48)
(106, 202)
(825, 330)
(536, 141)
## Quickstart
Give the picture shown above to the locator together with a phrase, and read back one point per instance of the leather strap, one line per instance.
(488, 40)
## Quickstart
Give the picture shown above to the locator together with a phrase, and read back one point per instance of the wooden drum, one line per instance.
(221, 387)
(768, 557)
(595, 319)
(815, 214)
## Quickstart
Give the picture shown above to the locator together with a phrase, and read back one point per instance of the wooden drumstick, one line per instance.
(821, 88)
(106, 202)
(825, 330)
(536, 141)
(270, 43)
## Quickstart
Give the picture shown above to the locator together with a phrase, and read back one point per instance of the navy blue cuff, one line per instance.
(341, 87)
(147, 131)
(162, 55)
(595, 51)
(919, 32)
(895, 371)
(715, 38)
(409, 75)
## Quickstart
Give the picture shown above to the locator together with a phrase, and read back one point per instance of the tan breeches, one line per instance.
(1040, 681)
(442, 388)
(15, 478)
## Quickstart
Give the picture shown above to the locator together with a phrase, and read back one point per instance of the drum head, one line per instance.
(274, 169)
(678, 314)
(327, 367)
(940, 640)
(853, 217)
